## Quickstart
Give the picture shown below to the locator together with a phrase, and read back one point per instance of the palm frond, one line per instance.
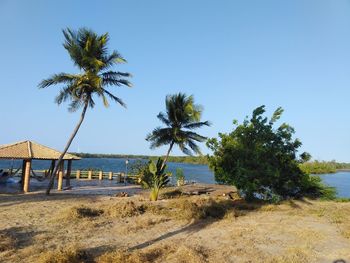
(75, 105)
(115, 78)
(196, 125)
(64, 94)
(61, 78)
(159, 136)
(195, 148)
(112, 59)
(184, 149)
(194, 136)
(163, 118)
(115, 98)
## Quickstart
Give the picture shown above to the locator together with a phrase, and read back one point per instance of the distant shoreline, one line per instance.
(175, 159)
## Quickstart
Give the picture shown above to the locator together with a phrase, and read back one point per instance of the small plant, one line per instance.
(156, 178)
(140, 169)
(180, 177)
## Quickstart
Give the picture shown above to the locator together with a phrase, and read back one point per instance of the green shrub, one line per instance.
(262, 162)
(155, 178)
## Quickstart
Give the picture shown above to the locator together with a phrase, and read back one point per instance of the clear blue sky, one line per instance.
(231, 55)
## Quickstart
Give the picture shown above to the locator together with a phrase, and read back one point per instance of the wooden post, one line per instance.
(69, 170)
(100, 175)
(77, 175)
(110, 176)
(90, 175)
(120, 177)
(23, 172)
(28, 164)
(60, 176)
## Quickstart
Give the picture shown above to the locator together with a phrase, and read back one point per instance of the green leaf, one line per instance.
(152, 168)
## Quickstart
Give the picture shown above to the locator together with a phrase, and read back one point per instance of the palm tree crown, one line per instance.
(89, 53)
(182, 116)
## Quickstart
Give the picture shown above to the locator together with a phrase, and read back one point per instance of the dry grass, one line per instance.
(141, 223)
(7, 242)
(69, 255)
(334, 212)
(166, 253)
(170, 194)
(182, 229)
(125, 209)
(292, 255)
(195, 208)
(84, 212)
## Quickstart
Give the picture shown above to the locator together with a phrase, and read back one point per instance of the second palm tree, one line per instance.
(182, 116)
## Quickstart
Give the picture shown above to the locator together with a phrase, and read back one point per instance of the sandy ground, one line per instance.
(34, 227)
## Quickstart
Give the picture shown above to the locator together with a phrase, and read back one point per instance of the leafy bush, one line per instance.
(140, 169)
(261, 161)
(155, 178)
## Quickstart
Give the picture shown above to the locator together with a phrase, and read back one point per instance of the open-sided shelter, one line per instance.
(28, 151)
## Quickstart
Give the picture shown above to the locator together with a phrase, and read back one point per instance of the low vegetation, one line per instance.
(155, 178)
(261, 161)
(66, 255)
(111, 229)
(7, 242)
(323, 167)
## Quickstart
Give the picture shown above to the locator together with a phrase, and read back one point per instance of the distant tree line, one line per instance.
(323, 167)
(175, 159)
(314, 167)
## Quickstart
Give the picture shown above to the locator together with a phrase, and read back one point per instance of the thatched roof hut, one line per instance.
(28, 151)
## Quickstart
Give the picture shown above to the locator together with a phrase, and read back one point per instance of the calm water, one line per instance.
(339, 180)
(193, 172)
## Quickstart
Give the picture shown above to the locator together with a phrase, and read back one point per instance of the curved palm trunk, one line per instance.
(167, 154)
(60, 159)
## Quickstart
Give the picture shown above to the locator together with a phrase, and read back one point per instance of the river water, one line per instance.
(192, 172)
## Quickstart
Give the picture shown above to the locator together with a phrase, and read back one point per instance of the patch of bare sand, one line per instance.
(102, 229)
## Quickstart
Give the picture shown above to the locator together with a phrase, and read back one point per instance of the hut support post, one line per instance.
(23, 172)
(28, 164)
(110, 176)
(60, 176)
(69, 170)
(77, 175)
(100, 175)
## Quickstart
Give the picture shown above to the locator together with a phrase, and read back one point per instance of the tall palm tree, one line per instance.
(182, 116)
(90, 54)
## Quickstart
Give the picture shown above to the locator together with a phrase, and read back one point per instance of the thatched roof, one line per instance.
(31, 150)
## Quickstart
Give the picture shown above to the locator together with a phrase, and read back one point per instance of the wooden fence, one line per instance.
(91, 175)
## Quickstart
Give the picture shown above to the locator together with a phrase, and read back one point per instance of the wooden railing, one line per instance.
(91, 175)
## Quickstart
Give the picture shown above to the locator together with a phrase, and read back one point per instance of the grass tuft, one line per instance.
(84, 212)
(193, 208)
(127, 209)
(7, 242)
(69, 255)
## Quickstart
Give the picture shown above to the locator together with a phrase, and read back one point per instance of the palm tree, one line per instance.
(181, 117)
(90, 54)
